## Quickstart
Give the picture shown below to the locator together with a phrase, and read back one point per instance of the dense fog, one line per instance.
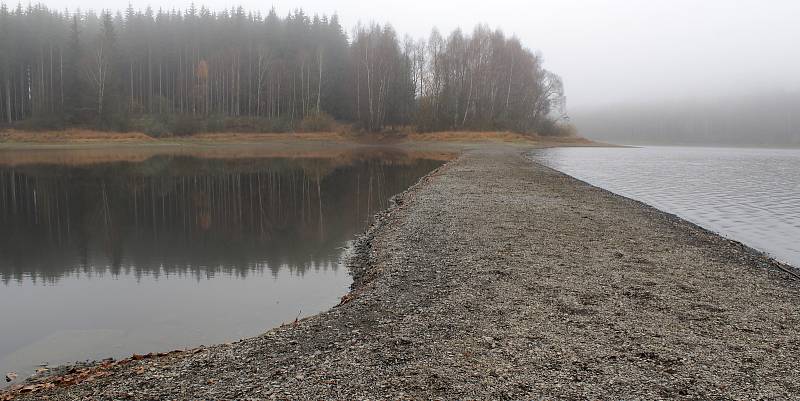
(768, 119)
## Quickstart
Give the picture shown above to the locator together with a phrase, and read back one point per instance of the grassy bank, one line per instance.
(20, 139)
(85, 147)
(14, 138)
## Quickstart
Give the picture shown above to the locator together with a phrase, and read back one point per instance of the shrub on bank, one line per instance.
(187, 125)
(551, 128)
(154, 126)
(317, 122)
(255, 124)
(41, 123)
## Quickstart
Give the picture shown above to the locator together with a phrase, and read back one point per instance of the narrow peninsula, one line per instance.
(497, 278)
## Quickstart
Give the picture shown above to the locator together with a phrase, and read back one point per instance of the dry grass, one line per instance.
(73, 136)
(76, 147)
(499, 136)
(266, 137)
(469, 136)
(78, 136)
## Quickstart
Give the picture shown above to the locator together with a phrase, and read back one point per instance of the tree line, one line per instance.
(178, 72)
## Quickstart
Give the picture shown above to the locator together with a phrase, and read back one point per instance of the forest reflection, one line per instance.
(180, 215)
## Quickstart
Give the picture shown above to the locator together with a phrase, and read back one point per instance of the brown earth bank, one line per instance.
(78, 147)
(15, 138)
(498, 278)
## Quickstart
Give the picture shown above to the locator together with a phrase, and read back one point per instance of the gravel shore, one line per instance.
(498, 278)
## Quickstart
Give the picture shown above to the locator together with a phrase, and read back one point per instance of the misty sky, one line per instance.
(607, 51)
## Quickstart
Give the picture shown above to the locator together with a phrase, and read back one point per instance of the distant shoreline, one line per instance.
(86, 147)
(77, 137)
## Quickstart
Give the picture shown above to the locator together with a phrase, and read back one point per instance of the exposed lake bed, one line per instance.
(495, 277)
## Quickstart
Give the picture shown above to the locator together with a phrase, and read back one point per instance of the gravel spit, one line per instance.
(498, 278)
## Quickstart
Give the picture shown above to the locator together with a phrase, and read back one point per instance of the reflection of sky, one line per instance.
(79, 318)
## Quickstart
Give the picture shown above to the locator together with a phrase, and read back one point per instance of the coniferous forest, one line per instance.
(180, 72)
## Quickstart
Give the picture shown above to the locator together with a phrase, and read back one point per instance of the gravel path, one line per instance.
(497, 278)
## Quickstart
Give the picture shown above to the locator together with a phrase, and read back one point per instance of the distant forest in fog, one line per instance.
(768, 119)
(172, 72)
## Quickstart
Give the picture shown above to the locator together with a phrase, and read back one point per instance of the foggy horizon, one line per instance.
(608, 53)
(308, 199)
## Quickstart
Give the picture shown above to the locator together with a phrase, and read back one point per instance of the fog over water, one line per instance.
(769, 119)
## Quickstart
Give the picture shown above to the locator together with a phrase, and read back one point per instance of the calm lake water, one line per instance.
(110, 259)
(750, 195)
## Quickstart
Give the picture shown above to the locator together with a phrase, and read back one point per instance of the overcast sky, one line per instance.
(607, 51)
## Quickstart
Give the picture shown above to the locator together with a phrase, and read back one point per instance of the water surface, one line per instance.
(750, 195)
(113, 258)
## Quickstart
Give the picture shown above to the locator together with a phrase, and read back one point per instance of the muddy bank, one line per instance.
(498, 278)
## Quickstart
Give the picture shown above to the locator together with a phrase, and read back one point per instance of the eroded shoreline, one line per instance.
(498, 278)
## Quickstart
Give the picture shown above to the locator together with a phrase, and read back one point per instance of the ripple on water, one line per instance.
(750, 195)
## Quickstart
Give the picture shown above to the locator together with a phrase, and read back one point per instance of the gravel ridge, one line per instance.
(498, 278)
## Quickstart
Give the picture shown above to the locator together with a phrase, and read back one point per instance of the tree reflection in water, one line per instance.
(179, 215)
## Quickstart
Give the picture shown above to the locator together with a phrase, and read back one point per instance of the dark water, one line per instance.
(110, 259)
(750, 195)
